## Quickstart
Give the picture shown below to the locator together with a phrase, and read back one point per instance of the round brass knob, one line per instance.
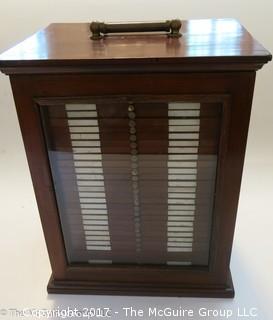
(132, 130)
(132, 123)
(131, 108)
(131, 115)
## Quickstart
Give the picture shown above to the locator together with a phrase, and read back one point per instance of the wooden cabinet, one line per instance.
(136, 145)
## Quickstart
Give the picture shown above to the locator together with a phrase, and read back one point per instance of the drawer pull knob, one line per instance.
(131, 108)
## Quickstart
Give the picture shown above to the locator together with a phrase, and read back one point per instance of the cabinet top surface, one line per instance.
(205, 41)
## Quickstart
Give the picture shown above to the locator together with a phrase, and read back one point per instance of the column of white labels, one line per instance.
(184, 127)
(85, 140)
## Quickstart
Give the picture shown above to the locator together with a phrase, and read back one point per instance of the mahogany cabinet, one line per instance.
(135, 144)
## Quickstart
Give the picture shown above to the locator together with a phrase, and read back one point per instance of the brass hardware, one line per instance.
(131, 108)
(131, 115)
(135, 185)
(132, 123)
(100, 29)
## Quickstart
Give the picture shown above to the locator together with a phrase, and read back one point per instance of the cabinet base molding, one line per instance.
(134, 289)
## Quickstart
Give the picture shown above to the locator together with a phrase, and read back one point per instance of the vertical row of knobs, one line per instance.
(134, 173)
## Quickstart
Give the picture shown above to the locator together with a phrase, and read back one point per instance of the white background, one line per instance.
(24, 265)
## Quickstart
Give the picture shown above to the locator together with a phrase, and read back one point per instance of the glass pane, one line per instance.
(134, 182)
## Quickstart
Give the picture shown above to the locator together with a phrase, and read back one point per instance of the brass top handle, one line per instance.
(100, 29)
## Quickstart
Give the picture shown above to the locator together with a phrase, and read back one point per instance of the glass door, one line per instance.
(134, 178)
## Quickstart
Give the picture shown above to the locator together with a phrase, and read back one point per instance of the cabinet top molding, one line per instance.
(205, 45)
